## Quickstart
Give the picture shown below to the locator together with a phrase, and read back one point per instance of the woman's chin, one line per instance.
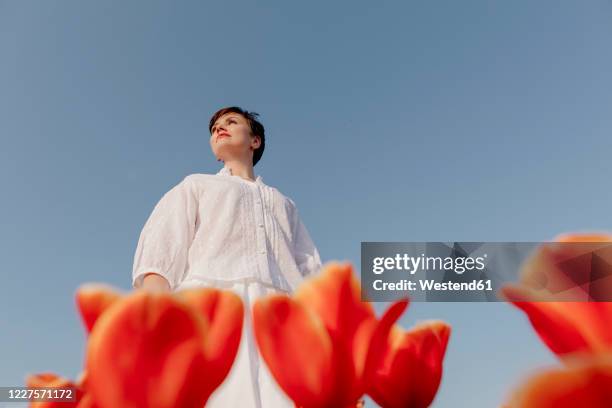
(228, 153)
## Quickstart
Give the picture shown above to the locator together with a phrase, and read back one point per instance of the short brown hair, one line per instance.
(256, 127)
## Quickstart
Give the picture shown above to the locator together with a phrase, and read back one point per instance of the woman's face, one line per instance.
(231, 138)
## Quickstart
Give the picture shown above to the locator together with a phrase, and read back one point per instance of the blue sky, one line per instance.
(386, 121)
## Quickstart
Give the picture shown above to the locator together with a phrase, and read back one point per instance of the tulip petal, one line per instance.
(570, 271)
(380, 334)
(297, 349)
(335, 296)
(92, 300)
(333, 337)
(51, 380)
(584, 237)
(224, 312)
(146, 351)
(586, 383)
(410, 373)
(554, 279)
(45, 380)
(566, 327)
(86, 402)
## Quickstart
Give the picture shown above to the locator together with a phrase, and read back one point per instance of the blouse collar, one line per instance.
(225, 171)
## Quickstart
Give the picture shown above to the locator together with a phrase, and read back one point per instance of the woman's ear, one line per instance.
(255, 142)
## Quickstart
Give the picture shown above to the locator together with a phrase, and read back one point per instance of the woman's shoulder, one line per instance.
(198, 178)
(203, 179)
(288, 201)
(195, 182)
(203, 183)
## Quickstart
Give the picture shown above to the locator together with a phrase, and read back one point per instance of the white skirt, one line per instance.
(249, 383)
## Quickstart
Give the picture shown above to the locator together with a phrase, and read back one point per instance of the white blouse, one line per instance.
(225, 228)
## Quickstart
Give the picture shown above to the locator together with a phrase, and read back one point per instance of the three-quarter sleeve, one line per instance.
(166, 237)
(304, 250)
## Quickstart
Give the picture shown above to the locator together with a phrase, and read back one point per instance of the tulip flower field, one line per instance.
(324, 346)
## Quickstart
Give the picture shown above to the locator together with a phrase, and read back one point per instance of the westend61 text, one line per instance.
(432, 285)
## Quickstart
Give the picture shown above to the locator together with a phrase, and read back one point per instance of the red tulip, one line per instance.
(575, 267)
(152, 350)
(310, 341)
(566, 327)
(324, 344)
(579, 332)
(161, 350)
(585, 382)
(224, 313)
(92, 300)
(408, 374)
(51, 380)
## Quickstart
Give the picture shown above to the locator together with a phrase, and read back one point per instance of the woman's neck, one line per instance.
(240, 169)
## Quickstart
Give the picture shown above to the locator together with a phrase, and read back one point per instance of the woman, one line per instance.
(229, 230)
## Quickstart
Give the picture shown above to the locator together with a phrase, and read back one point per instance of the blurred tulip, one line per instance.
(570, 327)
(579, 332)
(575, 267)
(224, 313)
(585, 382)
(51, 380)
(92, 300)
(323, 344)
(566, 327)
(161, 349)
(152, 350)
(309, 341)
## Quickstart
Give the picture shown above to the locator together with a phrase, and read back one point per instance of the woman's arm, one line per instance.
(305, 252)
(154, 282)
(163, 247)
